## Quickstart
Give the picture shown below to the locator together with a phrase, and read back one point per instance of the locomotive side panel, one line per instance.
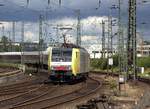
(75, 61)
(49, 58)
(84, 61)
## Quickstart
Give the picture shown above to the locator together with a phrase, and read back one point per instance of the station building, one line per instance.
(143, 50)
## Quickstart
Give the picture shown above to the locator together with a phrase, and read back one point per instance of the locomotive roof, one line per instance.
(68, 45)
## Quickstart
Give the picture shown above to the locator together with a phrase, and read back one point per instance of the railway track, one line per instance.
(53, 98)
(16, 93)
(19, 85)
(27, 96)
(18, 90)
(4, 70)
(13, 90)
(145, 80)
(143, 100)
(141, 79)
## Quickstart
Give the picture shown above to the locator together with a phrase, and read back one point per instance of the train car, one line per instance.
(67, 64)
(10, 57)
(63, 63)
(29, 58)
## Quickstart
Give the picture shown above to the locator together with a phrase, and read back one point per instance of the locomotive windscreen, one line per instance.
(61, 55)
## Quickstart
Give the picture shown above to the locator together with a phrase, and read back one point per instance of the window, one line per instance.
(61, 55)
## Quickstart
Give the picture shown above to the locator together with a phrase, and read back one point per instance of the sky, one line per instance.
(92, 14)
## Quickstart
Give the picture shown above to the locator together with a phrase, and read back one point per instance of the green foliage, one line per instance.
(102, 63)
(99, 63)
(115, 61)
(4, 42)
(144, 62)
(113, 84)
(6, 45)
(17, 48)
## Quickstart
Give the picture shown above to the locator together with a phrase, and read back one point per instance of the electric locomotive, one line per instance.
(68, 63)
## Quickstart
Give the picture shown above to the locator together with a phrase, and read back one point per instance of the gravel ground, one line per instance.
(73, 104)
(129, 96)
(130, 93)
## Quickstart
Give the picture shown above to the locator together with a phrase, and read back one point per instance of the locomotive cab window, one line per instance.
(63, 55)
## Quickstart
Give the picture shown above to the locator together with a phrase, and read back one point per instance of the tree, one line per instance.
(147, 42)
(4, 44)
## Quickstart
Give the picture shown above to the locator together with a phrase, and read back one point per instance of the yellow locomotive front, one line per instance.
(65, 64)
(60, 64)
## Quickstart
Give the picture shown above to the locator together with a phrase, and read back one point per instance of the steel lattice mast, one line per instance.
(78, 40)
(132, 38)
(13, 34)
(40, 40)
(103, 39)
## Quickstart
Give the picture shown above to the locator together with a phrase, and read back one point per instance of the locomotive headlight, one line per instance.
(69, 67)
(52, 68)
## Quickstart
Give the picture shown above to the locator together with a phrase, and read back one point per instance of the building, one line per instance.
(143, 47)
(143, 50)
(95, 51)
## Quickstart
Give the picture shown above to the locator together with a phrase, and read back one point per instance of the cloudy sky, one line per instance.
(92, 13)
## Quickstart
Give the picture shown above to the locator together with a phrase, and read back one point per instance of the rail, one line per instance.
(144, 100)
(10, 73)
(50, 102)
(141, 79)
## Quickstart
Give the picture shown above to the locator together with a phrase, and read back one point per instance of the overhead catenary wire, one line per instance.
(27, 2)
(20, 9)
(38, 12)
(49, 2)
(73, 9)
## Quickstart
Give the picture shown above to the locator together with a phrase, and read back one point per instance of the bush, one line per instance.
(102, 63)
(115, 59)
(143, 62)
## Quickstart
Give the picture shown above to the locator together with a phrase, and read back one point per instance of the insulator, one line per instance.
(99, 3)
(59, 2)
(27, 2)
(48, 2)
